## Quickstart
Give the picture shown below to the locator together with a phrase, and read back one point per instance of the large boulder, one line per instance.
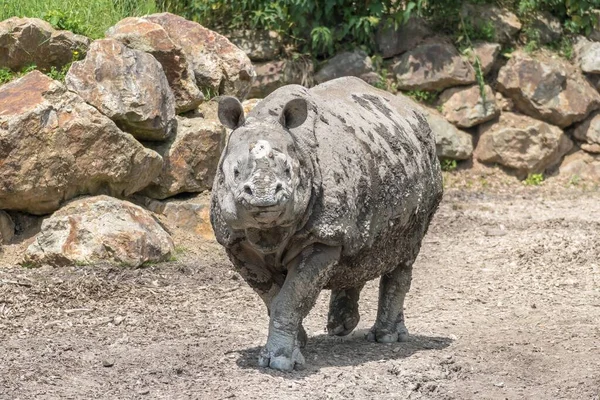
(589, 132)
(547, 88)
(503, 23)
(7, 228)
(465, 107)
(274, 74)
(581, 164)
(547, 27)
(128, 86)
(100, 228)
(143, 35)
(450, 143)
(26, 41)
(392, 42)
(190, 158)
(190, 214)
(521, 143)
(487, 53)
(259, 45)
(348, 63)
(54, 146)
(588, 56)
(433, 65)
(219, 66)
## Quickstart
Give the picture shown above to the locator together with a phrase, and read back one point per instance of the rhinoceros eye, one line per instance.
(236, 172)
(287, 171)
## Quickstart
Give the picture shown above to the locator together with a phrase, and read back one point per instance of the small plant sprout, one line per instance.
(534, 179)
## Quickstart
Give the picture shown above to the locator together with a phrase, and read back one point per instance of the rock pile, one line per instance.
(124, 124)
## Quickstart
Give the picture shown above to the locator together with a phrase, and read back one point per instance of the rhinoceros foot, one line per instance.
(398, 334)
(343, 312)
(281, 359)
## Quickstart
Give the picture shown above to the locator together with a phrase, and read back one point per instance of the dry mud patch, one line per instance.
(505, 304)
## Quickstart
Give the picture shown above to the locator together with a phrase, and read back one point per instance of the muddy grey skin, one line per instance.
(325, 188)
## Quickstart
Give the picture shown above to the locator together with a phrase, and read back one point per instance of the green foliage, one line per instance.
(576, 15)
(6, 75)
(67, 21)
(318, 26)
(423, 96)
(575, 180)
(86, 17)
(563, 46)
(534, 179)
(448, 165)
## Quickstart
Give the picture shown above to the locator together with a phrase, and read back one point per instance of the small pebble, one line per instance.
(108, 363)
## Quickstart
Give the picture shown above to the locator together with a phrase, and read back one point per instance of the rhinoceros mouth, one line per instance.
(267, 217)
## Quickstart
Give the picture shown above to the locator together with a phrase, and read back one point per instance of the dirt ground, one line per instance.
(505, 304)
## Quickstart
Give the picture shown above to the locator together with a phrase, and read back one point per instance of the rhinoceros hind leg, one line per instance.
(389, 326)
(343, 311)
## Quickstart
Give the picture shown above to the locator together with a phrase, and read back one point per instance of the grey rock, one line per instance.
(275, 74)
(128, 86)
(588, 56)
(325, 188)
(433, 65)
(392, 42)
(7, 228)
(355, 63)
(547, 27)
(219, 66)
(26, 41)
(521, 143)
(54, 147)
(259, 45)
(143, 35)
(450, 143)
(547, 88)
(100, 228)
(504, 23)
(589, 130)
(581, 165)
(465, 107)
(487, 53)
(190, 158)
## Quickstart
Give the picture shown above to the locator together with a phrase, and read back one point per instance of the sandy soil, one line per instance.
(505, 304)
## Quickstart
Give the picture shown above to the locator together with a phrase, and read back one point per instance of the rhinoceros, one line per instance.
(325, 188)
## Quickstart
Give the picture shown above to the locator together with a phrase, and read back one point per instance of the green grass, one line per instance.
(534, 179)
(86, 17)
(449, 165)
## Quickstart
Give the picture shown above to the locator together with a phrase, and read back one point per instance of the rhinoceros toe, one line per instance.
(399, 334)
(281, 362)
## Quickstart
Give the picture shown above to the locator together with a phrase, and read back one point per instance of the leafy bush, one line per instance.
(318, 26)
(323, 26)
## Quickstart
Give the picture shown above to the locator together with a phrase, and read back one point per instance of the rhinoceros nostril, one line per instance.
(248, 190)
(278, 188)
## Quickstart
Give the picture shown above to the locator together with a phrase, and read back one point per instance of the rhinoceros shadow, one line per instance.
(327, 351)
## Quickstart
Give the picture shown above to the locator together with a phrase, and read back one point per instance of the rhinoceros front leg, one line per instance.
(389, 326)
(307, 275)
(343, 311)
(266, 285)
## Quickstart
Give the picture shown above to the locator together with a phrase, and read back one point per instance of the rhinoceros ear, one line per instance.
(231, 112)
(294, 113)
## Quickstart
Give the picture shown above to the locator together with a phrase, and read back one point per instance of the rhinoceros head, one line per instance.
(262, 178)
